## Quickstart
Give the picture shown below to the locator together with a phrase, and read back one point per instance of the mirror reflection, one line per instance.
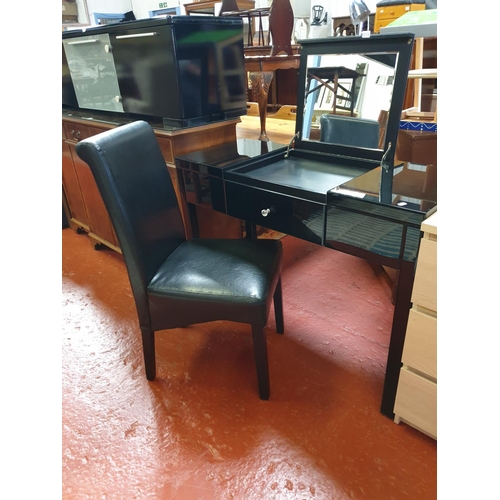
(348, 97)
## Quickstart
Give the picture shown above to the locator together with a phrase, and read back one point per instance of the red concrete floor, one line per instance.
(200, 431)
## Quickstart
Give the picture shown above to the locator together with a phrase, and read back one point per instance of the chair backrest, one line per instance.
(358, 132)
(137, 191)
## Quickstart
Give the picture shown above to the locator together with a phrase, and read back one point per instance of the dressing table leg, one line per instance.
(398, 334)
(194, 230)
(250, 230)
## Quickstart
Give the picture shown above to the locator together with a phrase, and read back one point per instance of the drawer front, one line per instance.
(95, 130)
(416, 402)
(420, 349)
(394, 11)
(425, 287)
(76, 132)
(301, 218)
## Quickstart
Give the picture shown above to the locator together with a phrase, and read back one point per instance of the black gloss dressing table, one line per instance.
(339, 195)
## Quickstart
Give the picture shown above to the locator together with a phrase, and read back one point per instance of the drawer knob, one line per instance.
(76, 135)
(266, 211)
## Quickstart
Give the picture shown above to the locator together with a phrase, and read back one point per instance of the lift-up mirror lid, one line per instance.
(350, 95)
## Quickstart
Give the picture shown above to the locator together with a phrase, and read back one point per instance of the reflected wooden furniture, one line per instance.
(69, 12)
(416, 397)
(420, 146)
(254, 19)
(207, 7)
(388, 13)
(420, 71)
(279, 130)
(326, 75)
(261, 70)
(82, 202)
(418, 151)
(342, 26)
(261, 62)
(283, 87)
(286, 112)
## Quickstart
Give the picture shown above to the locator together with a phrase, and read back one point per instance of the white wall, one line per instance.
(143, 7)
(82, 13)
(340, 8)
(109, 6)
(101, 7)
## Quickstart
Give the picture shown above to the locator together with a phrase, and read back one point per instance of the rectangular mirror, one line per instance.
(350, 95)
(344, 88)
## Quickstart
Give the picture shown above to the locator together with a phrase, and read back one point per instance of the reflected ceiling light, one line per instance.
(359, 13)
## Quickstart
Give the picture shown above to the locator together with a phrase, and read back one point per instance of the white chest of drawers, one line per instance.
(416, 397)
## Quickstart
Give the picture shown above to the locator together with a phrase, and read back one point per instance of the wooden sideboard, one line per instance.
(82, 201)
(416, 397)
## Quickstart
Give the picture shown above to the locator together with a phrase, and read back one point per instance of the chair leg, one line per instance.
(261, 363)
(148, 347)
(278, 308)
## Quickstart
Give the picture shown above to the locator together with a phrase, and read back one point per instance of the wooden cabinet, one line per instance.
(85, 209)
(416, 397)
(385, 15)
(77, 213)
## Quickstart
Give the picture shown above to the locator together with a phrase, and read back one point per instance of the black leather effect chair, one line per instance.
(178, 282)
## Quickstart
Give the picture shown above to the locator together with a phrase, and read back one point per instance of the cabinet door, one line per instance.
(72, 189)
(93, 72)
(99, 221)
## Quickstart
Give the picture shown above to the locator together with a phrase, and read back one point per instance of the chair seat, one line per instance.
(212, 279)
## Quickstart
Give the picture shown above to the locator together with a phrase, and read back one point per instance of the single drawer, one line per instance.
(395, 11)
(416, 402)
(76, 132)
(301, 218)
(425, 287)
(420, 349)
